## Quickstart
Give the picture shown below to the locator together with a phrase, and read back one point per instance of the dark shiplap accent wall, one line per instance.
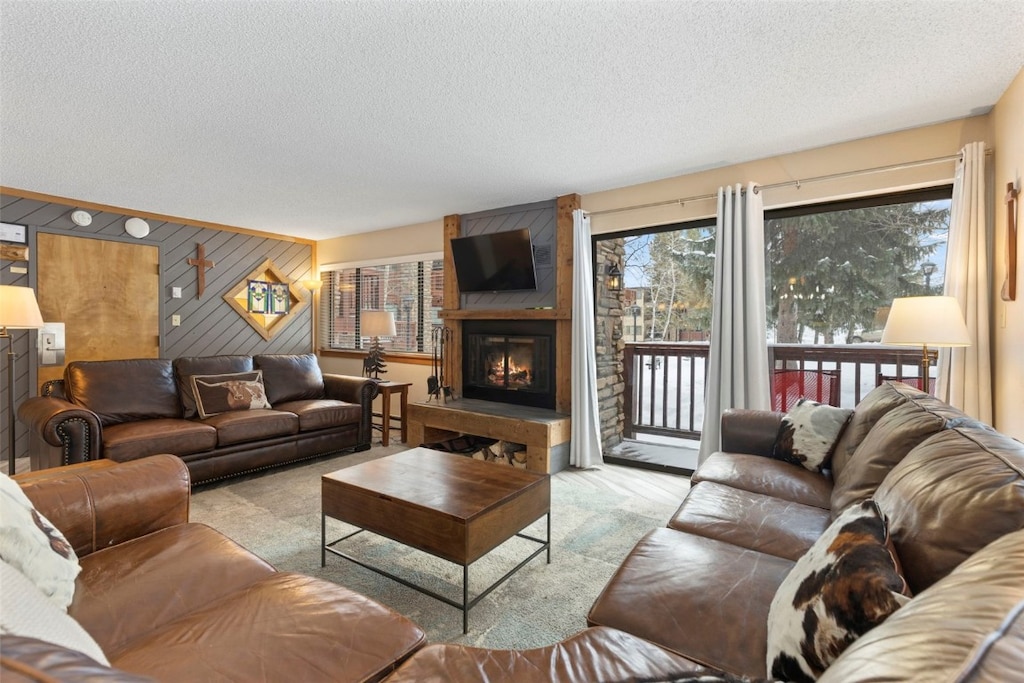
(209, 326)
(539, 217)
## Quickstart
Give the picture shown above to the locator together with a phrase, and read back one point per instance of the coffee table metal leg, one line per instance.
(465, 599)
(549, 537)
(323, 539)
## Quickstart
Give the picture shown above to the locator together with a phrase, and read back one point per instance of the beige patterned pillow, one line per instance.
(28, 612)
(224, 393)
(33, 546)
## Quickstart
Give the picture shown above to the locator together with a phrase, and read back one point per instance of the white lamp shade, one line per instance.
(926, 321)
(18, 308)
(377, 324)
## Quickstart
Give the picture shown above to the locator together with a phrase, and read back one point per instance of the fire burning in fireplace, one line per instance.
(512, 365)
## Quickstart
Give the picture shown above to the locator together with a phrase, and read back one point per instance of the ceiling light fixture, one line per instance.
(82, 218)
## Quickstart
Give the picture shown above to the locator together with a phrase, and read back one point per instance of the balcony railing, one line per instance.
(664, 392)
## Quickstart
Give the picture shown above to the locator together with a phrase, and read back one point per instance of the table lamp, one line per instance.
(18, 311)
(923, 321)
(376, 324)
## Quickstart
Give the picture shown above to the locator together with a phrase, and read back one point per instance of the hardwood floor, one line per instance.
(657, 486)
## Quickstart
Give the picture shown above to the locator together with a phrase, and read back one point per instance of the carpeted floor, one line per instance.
(277, 516)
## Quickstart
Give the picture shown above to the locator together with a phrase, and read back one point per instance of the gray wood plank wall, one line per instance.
(209, 326)
(540, 218)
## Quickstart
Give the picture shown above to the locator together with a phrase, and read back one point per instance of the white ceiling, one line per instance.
(319, 119)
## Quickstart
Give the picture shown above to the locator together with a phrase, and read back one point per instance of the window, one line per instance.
(411, 291)
(833, 270)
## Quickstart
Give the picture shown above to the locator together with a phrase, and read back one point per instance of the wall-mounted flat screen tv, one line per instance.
(495, 262)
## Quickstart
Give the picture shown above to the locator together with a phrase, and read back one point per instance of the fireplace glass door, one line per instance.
(497, 364)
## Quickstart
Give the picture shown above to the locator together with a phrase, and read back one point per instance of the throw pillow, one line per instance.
(809, 432)
(847, 583)
(28, 612)
(217, 394)
(33, 546)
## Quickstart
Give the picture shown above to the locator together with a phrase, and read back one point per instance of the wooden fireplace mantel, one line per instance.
(506, 314)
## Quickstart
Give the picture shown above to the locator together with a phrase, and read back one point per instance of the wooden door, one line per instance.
(106, 293)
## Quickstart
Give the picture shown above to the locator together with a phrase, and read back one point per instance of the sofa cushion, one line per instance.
(704, 599)
(808, 434)
(892, 437)
(243, 426)
(845, 585)
(186, 366)
(323, 413)
(123, 390)
(760, 474)
(29, 612)
(133, 588)
(31, 545)
(290, 377)
(594, 654)
(131, 440)
(215, 394)
(871, 408)
(967, 627)
(952, 495)
(750, 520)
(284, 627)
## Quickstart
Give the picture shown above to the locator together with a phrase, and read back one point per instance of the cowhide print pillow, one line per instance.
(225, 393)
(847, 583)
(809, 432)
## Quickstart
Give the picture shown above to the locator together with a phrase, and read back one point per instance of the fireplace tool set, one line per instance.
(438, 383)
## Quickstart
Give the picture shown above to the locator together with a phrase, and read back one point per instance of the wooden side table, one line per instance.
(386, 389)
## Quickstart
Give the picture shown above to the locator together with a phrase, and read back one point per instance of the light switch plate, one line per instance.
(175, 320)
(175, 292)
(11, 232)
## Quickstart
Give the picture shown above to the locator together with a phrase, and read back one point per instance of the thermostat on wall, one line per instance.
(9, 232)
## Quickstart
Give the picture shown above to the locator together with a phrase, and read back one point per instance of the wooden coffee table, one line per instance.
(450, 506)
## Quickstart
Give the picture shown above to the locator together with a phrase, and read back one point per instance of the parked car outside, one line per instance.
(865, 336)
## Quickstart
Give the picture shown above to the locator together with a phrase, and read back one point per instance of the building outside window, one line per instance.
(412, 291)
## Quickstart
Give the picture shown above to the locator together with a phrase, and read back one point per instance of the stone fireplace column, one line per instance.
(610, 347)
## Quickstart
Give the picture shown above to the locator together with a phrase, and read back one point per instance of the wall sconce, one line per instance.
(613, 278)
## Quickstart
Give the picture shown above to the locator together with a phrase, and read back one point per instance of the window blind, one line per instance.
(412, 291)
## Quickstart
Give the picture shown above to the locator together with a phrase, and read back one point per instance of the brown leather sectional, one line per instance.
(128, 409)
(952, 490)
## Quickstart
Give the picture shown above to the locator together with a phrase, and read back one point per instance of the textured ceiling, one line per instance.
(319, 119)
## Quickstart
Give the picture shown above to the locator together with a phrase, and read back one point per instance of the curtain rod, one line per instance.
(792, 183)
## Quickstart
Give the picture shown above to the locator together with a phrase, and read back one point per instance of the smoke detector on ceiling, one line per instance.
(136, 227)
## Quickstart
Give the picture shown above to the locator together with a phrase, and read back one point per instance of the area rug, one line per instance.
(276, 515)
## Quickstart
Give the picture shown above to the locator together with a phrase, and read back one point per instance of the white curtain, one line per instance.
(737, 373)
(965, 374)
(585, 448)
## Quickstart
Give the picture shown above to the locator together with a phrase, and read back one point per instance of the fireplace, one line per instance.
(511, 361)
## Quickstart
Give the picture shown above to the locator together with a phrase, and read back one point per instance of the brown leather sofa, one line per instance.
(171, 600)
(952, 491)
(128, 409)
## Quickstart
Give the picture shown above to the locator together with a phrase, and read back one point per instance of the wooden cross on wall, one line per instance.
(201, 265)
